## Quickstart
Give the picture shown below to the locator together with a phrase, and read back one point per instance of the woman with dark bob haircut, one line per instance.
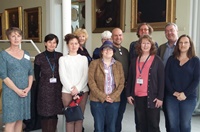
(145, 85)
(49, 103)
(182, 75)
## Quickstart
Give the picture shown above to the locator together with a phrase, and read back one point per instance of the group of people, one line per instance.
(148, 76)
(167, 77)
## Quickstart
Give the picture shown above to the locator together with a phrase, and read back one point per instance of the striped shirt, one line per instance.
(109, 78)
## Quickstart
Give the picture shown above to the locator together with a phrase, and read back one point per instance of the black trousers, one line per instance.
(148, 118)
(122, 108)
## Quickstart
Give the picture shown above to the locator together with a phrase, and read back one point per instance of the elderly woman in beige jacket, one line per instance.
(106, 82)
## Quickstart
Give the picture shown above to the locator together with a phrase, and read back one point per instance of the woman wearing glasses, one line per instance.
(106, 82)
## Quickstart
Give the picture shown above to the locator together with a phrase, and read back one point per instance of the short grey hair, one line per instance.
(173, 24)
(106, 34)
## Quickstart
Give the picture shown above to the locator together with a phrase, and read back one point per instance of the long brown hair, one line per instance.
(191, 50)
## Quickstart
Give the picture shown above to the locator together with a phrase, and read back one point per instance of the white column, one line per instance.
(88, 24)
(194, 33)
(66, 21)
(54, 20)
(58, 22)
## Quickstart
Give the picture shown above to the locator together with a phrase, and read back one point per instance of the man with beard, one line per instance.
(122, 55)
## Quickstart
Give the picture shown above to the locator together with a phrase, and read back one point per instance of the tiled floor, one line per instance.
(128, 122)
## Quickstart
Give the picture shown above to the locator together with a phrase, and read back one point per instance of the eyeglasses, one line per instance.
(120, 51)
(170, 31)
(144, 29)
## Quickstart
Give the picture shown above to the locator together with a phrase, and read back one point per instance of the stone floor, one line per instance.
(128, 122)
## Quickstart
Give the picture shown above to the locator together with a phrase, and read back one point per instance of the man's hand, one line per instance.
(130, 100)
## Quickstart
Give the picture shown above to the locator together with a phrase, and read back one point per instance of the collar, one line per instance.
(167, 44)
(112, 61)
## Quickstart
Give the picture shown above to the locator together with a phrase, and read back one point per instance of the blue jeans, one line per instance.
(105, 115)
(179, 113)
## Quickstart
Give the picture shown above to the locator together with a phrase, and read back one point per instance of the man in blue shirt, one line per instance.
(165, 50)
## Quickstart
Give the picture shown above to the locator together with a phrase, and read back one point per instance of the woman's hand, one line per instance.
(176, 94)
(26, 90)
(130, 100)
(21, 92)
(158, 103)
(109, 99)
(75, 97)
(181, 96)
(74, 91)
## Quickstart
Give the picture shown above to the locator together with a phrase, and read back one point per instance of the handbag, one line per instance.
(73, 112)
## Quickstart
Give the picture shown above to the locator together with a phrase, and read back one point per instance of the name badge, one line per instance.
(27, 57)
(53, 80)
(106, 71)
(140, 81)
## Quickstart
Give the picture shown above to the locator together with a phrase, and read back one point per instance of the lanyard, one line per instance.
(140, 70)
(51, 66)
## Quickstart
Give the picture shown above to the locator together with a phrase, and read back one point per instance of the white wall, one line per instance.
(183, 21)
(182, 15)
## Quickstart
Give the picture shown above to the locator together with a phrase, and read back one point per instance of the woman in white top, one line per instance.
(73, 71)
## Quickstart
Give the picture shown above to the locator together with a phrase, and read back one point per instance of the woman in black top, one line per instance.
(49, 87)
(82, 36)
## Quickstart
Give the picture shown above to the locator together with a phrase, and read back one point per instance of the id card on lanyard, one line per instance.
(139, 79)
(52, 79)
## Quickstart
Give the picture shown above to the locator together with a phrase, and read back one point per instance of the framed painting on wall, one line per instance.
(13, 17)
(107, 14)
(33, 24)
(157, 13)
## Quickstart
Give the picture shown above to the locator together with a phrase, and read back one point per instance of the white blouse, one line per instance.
(73, 71)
